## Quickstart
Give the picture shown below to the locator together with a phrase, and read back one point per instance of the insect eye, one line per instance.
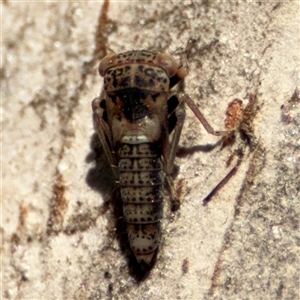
(105, 63)
(168, 63)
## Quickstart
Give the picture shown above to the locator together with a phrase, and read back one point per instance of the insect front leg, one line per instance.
(103, 130)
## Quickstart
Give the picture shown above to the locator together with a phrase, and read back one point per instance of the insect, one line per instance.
(139, 117)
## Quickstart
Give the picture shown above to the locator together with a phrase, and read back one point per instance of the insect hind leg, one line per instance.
(176, 119)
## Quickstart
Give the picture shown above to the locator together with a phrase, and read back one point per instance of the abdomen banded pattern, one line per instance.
(142, 192)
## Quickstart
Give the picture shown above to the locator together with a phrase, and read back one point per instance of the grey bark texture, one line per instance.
(58, 241)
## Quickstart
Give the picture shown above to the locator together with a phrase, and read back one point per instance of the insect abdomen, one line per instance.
(142, 193)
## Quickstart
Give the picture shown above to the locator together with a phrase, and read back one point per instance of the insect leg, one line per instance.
(102, 128)
(222, 182)
(179, 115)
(187, 99)
(210, 130)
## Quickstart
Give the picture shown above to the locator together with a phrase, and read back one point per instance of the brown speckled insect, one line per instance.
(134, 116)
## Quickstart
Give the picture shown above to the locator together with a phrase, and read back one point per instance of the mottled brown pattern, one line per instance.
(131, 117)
(134, 116)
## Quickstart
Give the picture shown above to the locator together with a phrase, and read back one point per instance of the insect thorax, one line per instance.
(136, 98)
